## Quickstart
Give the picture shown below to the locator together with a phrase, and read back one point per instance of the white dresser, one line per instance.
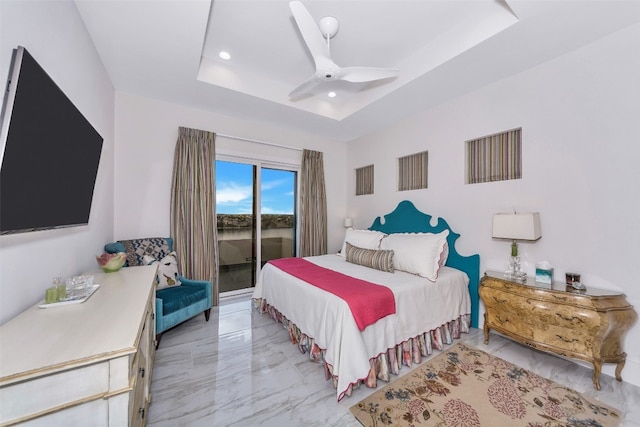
(82, 364)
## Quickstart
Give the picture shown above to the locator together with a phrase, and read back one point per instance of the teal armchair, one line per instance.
(175, 304)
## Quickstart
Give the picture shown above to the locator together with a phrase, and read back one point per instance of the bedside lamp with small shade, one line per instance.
(517, 226)
(348, 223)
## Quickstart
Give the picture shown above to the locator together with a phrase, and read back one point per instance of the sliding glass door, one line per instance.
(255, 207)
(235, 205)
(277, 214)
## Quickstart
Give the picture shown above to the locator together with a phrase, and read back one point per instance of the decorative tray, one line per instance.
(73, 300)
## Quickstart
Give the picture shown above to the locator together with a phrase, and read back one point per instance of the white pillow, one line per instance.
(418, 253)
(167, 270)
(365, 239)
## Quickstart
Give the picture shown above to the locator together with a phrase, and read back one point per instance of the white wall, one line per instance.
(146, 135)
(55, 36)
(581, 143)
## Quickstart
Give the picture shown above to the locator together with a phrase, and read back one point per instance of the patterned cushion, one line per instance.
(136, 249)
(167, 270)
(378, 259)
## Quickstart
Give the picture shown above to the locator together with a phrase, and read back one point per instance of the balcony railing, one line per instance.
(236, 249)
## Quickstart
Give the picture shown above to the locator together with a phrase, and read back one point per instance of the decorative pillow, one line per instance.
(444, 255)
(167, 270)
(365, 239)
(378, 259)
(418, 253)
(137, 249)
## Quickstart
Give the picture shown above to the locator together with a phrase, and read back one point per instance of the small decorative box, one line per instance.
(544, 273)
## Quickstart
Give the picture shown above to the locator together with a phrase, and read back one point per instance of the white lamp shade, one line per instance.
(517, 226)
(347, 222)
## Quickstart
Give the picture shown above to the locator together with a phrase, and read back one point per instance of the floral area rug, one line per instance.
(464, 386)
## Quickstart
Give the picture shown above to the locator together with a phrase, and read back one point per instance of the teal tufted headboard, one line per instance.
(405, 218)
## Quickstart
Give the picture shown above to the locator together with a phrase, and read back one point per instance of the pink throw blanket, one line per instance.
(368, 302)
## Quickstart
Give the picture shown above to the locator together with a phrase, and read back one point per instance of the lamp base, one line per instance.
(514, 273)
(515, 277)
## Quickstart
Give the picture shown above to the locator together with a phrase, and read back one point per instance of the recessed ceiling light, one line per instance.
(331, 94)
(224, 55)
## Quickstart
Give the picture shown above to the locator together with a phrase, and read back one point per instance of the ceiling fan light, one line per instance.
(328, 26)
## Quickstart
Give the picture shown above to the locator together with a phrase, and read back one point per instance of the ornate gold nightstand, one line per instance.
(588, 325)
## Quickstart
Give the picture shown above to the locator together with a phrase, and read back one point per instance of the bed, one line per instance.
(429, 311)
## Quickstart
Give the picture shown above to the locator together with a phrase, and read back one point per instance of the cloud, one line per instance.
(233, 193)
(269, 185)
(234, 198)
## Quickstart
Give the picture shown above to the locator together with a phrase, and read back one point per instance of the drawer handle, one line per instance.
(141, 412)
(566, 339)
(501, 320)
(569, 319)
(141, 370)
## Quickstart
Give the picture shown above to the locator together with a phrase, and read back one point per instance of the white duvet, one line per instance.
(421, 306)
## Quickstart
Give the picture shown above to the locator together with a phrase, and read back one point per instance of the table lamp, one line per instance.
(516, 226)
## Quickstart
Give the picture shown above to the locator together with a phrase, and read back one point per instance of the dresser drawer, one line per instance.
(44, 394)
(574, 341)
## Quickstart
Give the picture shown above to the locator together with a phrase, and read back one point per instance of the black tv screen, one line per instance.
(50, 153)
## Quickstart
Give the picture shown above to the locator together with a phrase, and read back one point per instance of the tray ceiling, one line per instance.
(168, 50)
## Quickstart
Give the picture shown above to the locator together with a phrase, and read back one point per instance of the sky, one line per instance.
(234, 192)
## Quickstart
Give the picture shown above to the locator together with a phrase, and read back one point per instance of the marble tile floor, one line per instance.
(240, 369)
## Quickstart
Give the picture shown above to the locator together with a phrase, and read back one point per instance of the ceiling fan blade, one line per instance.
(366, 74)
(306, 87)
(312, 36)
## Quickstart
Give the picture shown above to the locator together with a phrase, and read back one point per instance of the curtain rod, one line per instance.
(259, 142)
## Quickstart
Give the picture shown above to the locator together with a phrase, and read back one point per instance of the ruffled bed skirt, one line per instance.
(382, 366)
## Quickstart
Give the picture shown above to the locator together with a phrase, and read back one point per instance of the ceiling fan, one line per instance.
(317, 37)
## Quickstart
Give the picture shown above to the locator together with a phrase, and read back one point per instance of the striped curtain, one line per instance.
(412, 171)
(495, 157)
(313, 205)
(193, 206)
(364, 180)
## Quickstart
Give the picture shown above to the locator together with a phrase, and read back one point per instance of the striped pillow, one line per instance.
(378, 259)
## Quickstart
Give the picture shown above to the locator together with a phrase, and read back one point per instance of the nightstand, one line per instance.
(589, 325)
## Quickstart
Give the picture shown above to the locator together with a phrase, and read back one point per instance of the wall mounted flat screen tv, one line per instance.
(49, 153)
